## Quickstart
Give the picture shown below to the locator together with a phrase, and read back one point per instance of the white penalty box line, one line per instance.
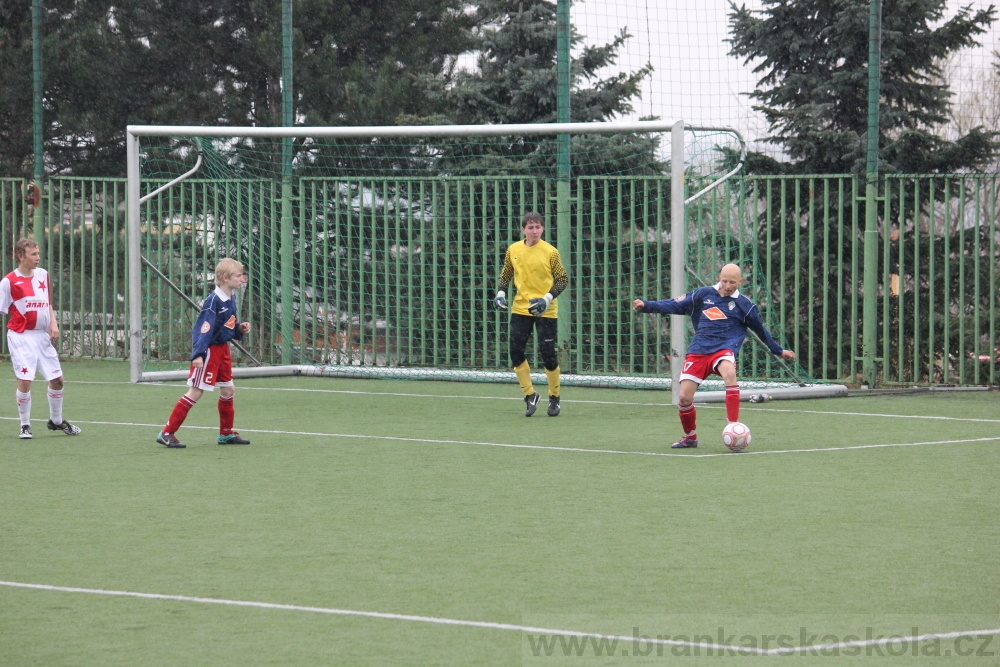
(630, 404)
(622, 452)
(554, 448)
(510, 627)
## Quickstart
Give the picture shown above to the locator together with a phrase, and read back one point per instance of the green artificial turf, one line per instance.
(441, 501)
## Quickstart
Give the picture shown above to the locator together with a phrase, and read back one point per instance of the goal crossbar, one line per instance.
(397, 131)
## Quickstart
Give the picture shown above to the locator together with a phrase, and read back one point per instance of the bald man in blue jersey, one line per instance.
(720, 316)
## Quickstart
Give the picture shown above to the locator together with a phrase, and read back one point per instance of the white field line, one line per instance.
(704, 406)
(510, 627)
(582, 450)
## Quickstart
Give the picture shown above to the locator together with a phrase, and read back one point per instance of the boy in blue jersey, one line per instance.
(211, 365)
(720, 316)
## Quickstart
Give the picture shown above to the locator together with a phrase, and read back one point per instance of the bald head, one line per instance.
(730, 279)
(732, 271)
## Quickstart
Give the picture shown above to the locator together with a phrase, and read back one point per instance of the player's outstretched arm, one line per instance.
(756, 324)
(679, 306)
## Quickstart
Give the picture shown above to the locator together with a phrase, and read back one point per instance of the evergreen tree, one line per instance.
(211, 62)
(106, 66)
(813, 58)
(15, 89)
(362, 62)
(515, 81)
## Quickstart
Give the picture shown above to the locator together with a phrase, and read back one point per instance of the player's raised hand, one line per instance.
(500, 301)
(637, 304)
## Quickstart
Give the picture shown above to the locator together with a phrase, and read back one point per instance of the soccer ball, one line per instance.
(736, 436)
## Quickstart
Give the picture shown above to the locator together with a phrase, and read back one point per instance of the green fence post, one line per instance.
(563, 162)
(869, 334)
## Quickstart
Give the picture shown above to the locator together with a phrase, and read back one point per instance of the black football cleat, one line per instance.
(168, 440)
(65, 427)
(553, 410)
(531, 404)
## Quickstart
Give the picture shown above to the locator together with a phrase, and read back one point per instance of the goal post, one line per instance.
(396, 234)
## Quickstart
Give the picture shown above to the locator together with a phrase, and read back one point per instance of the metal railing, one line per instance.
(799, 237)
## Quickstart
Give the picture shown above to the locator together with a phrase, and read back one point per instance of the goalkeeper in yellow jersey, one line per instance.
(539, 278)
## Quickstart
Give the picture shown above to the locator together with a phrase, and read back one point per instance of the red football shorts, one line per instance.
(216, 372)
(697, 367)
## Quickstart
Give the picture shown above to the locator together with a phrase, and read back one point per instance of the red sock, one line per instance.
(179, 414)
(733, 403)
(227, 414)
(687, 420)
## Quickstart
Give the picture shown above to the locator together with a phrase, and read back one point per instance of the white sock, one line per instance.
(24, 407)
(55, 405)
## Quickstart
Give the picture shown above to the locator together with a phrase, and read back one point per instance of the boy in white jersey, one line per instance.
(31, 327)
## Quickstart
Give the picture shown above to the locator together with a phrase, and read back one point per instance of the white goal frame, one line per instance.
(679, 201)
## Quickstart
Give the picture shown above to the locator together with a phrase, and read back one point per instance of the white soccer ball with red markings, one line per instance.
(736, 436)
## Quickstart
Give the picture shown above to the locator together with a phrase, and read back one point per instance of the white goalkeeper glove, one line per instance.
(539, 305)
(500, 301)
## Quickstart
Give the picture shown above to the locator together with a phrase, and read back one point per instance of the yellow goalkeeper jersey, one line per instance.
(536, 270)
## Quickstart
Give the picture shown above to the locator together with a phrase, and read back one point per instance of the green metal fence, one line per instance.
(83, 246)
(14, 220)
(939, 265)
(810, 241)
(939, 306)
(939, 249)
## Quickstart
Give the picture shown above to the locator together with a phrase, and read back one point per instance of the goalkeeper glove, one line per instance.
(499, 302)
(539, 305)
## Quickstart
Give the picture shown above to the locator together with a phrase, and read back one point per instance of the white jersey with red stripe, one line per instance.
(26, 300)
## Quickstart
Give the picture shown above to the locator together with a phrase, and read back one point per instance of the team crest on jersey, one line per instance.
(206, 327)
(231, 322)
(732, 304)
(714, 313)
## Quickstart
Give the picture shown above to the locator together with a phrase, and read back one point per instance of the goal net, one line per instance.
(375, 252)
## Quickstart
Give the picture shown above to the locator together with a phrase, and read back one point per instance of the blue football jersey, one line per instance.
(720, 322)
(217, 323)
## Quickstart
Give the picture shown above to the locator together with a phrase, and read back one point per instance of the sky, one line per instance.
(694, 78)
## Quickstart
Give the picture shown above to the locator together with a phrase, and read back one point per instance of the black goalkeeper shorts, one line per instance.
(520, 332)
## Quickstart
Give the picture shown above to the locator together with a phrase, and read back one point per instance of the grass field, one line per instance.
(406, 523)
